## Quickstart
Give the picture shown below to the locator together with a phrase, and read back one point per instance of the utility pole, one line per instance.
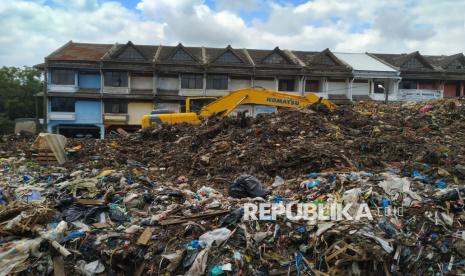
(45, 98)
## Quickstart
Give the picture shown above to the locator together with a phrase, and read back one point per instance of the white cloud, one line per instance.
(32, 29)
(239, 5)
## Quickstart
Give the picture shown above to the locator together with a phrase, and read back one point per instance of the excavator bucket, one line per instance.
(318, 102)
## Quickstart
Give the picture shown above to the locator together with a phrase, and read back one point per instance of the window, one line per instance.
(192, 81)
(197, 104)
(62, 104)
(182, 55)
(408, 85)
(63, 77)
(286, 85)
(116, 79)
(116, 107)
(312, 86)
(228, 57)
(275, 58)
(219, 82)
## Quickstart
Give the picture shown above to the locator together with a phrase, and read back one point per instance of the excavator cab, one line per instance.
(195, 104)
(189, 110)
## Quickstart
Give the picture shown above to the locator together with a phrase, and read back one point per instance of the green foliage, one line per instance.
(17, 89)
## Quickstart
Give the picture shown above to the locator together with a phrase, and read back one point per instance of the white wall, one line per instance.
(175, 107)
(142, 83)
(336, 88)
(242, 108)
(216, 93)
(268, 84)
(191, 92)
(360, 88)
(168, 83)
(116, 90)
(236, 84)
(254, 110)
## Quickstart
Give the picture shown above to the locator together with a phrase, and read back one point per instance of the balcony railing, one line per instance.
(71, 88)
(62, 116)
(115, 118)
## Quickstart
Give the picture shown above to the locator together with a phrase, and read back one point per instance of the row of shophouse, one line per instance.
(93, 88)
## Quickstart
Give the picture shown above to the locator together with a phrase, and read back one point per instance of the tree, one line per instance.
(18, 88)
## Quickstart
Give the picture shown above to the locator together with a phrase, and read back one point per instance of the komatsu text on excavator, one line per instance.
(225, 105)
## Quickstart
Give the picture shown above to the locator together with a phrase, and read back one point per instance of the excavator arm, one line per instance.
(225, 105)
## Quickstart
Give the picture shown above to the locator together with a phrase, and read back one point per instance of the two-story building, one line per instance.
(94, 88)
(73, 90)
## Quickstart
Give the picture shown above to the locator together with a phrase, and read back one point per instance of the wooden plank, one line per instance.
(58, 266)
(145, 236)
(44, 154)
(335, 254)
(122, 132)
(85, 201)
(46, 159)
(100, 225)
(184, 219)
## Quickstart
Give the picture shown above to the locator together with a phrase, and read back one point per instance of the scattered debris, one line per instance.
(169, 200)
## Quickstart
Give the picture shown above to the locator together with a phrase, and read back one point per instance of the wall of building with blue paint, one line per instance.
(87, 112)
(89, 81)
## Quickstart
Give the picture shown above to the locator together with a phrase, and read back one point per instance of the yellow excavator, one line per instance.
(225, 105)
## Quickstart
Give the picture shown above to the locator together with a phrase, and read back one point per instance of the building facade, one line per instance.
(94, 88)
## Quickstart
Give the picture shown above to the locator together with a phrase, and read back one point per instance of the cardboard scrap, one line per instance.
(145, 236)
(58, 266)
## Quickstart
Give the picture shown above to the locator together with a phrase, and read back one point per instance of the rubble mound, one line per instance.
(171, 200)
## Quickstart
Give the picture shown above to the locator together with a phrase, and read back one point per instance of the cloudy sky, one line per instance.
(31, 29)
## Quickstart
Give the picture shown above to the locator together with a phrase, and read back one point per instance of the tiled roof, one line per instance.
(393, 59)
(80, 52)
(443, 61)
(259, 55)
(305, 56)
(213, 53)
(147, 51)
(399, 59)
(167, 51)
(73, 51)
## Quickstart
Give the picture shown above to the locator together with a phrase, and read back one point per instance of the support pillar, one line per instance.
(349, 85)
(204, 84)
(102, 132)
(325, 85)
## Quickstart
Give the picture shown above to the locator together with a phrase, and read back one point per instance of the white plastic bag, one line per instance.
(216, 236)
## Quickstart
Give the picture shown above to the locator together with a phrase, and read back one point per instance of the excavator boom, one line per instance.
(225, 105)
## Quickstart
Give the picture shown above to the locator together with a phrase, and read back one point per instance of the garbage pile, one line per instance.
(174, 200)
